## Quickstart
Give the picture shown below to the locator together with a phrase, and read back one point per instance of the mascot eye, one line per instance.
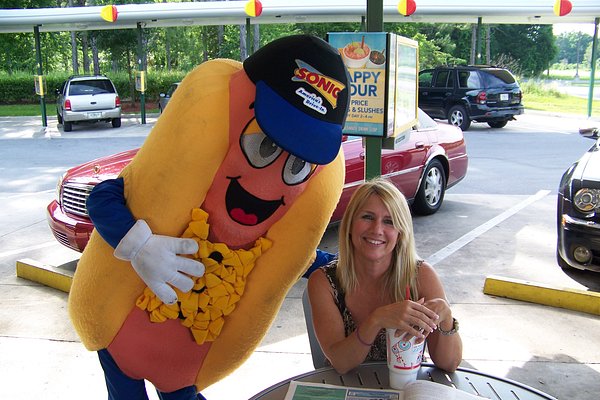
(296, 170)
(259, 149)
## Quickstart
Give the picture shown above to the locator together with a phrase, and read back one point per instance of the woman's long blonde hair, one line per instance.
(403, 268)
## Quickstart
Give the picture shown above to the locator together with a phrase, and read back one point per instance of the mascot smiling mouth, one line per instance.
(246, 209)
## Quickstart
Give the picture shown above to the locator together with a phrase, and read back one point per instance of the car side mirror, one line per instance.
(590, 132)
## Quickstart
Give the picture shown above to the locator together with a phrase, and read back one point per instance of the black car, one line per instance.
(578, 210)
(463, 94)
(164, 98)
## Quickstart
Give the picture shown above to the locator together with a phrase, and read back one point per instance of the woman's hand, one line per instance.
(410, 317)
(441, 308)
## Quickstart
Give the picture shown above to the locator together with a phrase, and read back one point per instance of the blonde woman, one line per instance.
(378, 282)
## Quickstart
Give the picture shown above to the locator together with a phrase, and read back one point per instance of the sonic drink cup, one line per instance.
(403, 358)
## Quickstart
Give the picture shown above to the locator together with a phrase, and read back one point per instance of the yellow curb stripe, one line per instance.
(44, 274)
(572, 299)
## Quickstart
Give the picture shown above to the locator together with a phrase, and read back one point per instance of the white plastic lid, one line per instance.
(399, 380)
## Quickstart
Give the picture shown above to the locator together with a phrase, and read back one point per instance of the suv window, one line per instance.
(425, 78)
(444, 79)
(94, 86)
(469, 80)
(497, 77)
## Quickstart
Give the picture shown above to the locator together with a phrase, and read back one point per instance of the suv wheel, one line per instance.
(457, 116)
(67, 126)
(116, 122)
(431, 192)
(497, 124)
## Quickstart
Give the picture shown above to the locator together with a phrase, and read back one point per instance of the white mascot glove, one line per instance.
(155, 259)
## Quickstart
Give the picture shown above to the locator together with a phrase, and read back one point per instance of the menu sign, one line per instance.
(372, 59)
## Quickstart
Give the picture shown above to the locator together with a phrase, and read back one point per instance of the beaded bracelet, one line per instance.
(361, 339)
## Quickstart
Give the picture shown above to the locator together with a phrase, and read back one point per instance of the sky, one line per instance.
(562, 28)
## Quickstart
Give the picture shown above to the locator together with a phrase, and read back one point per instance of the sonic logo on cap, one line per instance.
(325, 85)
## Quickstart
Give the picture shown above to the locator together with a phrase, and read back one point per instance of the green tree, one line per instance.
(531, 45)
(572, 47)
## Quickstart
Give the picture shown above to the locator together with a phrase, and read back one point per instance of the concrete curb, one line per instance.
(57, 278)
(540, 293)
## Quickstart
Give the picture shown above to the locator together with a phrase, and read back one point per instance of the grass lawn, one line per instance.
(535, 97)
(30, 110)
(562, 104)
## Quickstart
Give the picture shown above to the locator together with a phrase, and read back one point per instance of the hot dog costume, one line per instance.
(245, 161)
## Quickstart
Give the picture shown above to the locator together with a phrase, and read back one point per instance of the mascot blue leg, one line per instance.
(122, 387)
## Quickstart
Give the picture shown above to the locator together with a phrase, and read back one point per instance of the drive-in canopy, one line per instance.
(285, 11)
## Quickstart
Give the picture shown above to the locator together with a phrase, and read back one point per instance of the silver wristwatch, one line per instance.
(451, 331)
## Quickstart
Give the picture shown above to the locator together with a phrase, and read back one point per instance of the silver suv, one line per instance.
(89, 98)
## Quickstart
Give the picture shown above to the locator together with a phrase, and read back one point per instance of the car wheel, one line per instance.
(67, 126)
(457, 116)
(431, 192)
(497, 124)
(116, 122)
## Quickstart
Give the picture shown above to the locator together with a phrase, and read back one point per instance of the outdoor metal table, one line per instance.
(375, 376)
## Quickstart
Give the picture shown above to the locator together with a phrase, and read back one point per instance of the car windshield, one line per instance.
(95, 86)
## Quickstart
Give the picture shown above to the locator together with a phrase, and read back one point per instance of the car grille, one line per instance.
(62, 238)
(74, 196)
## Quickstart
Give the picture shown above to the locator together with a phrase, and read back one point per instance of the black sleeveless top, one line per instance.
(378, 350)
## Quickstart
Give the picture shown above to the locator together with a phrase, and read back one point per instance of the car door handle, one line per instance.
(419, 145)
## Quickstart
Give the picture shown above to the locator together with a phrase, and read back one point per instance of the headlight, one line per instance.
(59, 187)
(587, 200)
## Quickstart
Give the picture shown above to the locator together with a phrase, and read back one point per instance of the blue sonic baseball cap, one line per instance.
(302, 95)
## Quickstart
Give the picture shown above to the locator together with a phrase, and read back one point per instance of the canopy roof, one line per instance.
(289, 11)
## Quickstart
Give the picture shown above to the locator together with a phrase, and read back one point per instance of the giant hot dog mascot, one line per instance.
(241, 172)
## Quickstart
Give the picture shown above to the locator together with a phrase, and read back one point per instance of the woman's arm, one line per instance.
(445, 350)
(344, 353)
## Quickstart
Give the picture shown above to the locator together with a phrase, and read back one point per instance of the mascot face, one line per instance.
(257, 181)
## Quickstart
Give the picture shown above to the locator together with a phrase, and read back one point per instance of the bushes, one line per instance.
(19, 88)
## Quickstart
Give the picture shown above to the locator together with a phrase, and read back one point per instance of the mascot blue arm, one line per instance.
(108, 211)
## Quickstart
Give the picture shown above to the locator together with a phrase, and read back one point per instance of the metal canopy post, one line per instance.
(593, 72)
(140, 34)
(248, 38)
(478, 55)
(38, 56)
(373, 145)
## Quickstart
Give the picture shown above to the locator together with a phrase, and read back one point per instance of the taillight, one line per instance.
(482, 98)
(117, 101)
(68, 105)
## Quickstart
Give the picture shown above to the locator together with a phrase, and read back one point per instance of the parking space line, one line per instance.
(453, 247)
(27, 249)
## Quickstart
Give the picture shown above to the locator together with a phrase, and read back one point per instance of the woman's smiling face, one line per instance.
(373, 233)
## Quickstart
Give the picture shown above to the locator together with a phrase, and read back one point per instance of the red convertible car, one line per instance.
(433, 159)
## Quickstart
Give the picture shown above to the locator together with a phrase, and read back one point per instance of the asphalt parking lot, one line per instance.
(491, 224)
